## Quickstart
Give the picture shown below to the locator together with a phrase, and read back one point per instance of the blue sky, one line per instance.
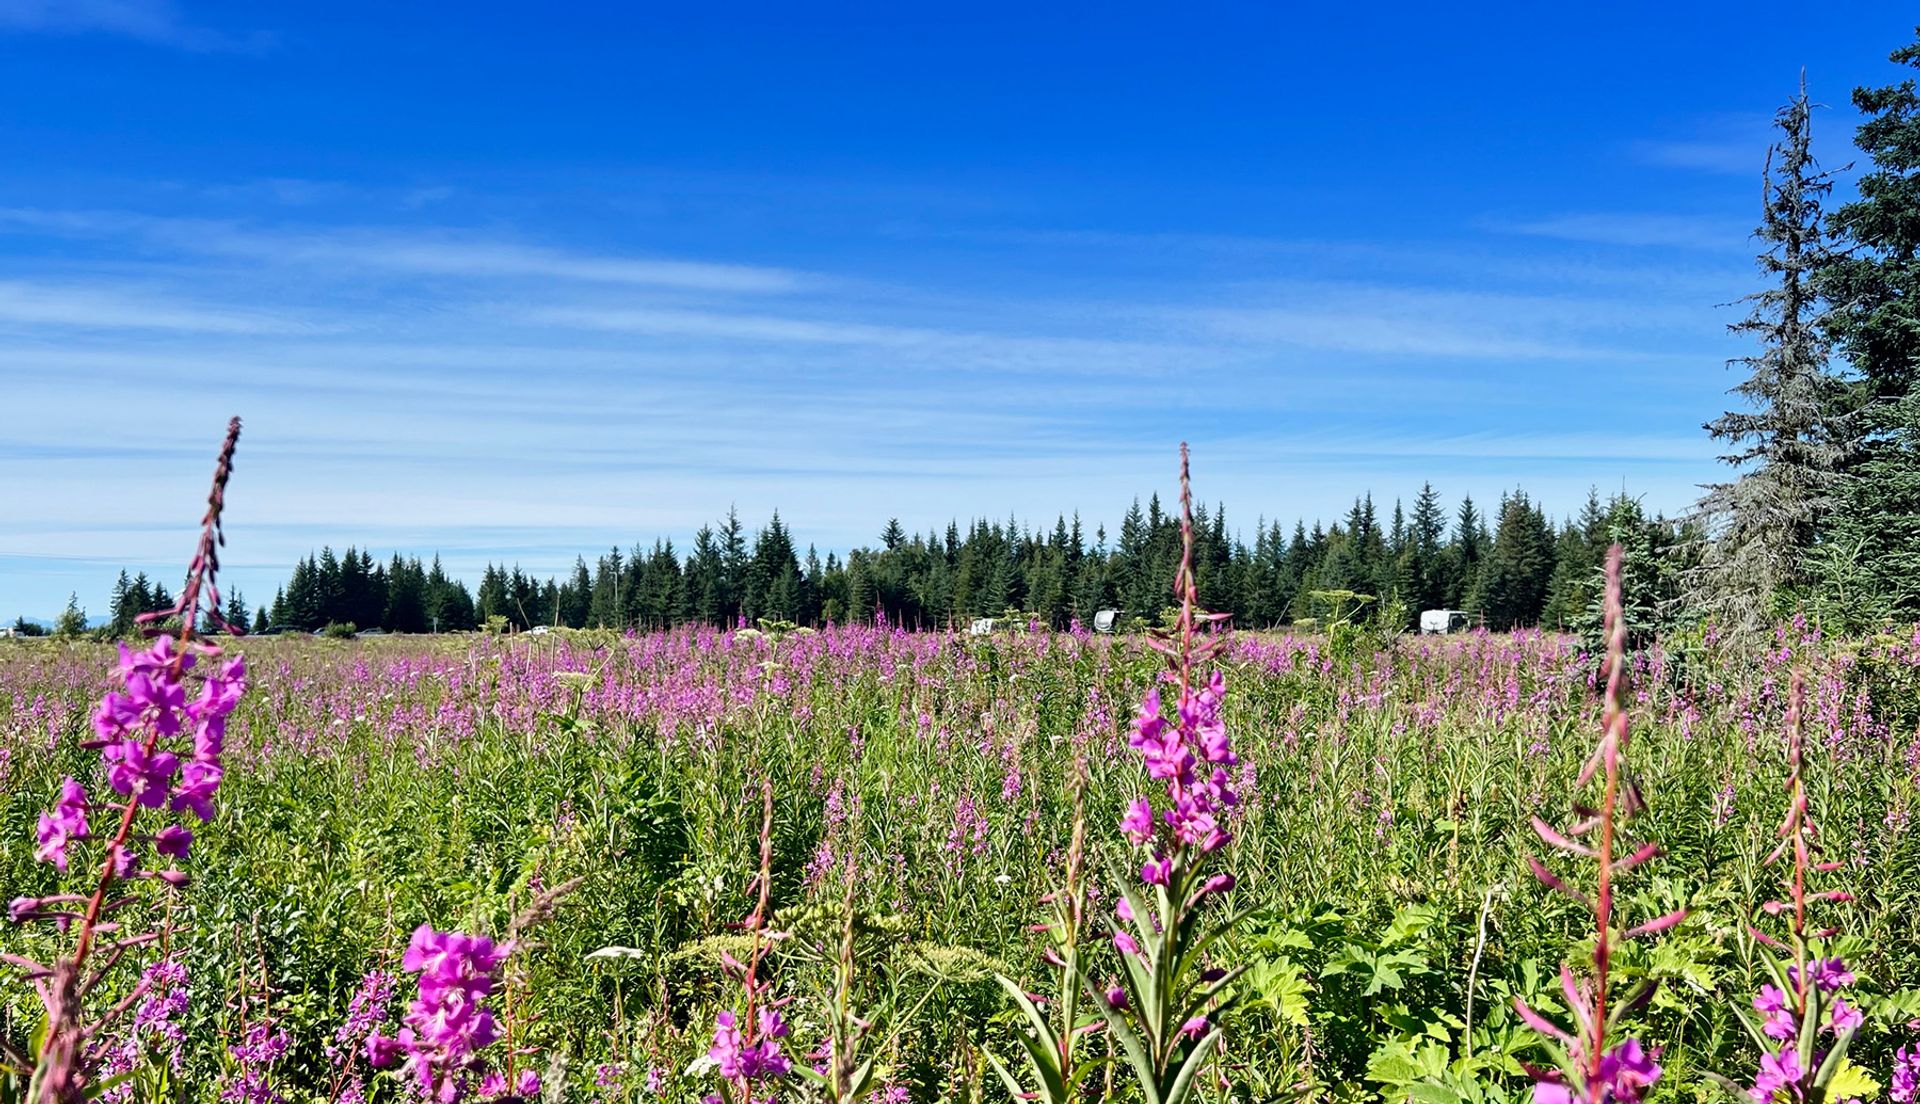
(510, 286)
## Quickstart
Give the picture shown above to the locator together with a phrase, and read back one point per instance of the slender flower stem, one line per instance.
(1796, 824)
(1614, 722)
(53, 1081)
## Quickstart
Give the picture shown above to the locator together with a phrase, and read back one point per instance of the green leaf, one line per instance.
(1183, 1081)
(1423, 1092)
(1850, 1082)
(1408, 923)
(1129, 1041)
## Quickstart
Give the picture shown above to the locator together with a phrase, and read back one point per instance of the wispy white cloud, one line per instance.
(1733, 143)
(1378, 334)
(1735, 156)
(1636, 229)
(96, 307)
(156, 21)
(1411, 322)
(440, 254)
(461, 256)
(728, 326)
(283, 190)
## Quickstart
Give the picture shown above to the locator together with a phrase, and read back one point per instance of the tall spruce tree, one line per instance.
(1519, 565)
(1784, 445)
(1426, 569)
(120, 610)
(1870, 554)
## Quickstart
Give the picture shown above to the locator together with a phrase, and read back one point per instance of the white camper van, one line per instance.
(1442, 621)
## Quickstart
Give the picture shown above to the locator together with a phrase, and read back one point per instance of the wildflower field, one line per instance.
(1379, 850)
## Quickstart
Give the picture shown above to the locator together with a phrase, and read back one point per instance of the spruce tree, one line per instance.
(1426, 542)
(1518, 566)
(406, 609)
(1464, 555)
(1870, 555)
(1784, 444)
(72, 620)
(119, 613)
(235, 612)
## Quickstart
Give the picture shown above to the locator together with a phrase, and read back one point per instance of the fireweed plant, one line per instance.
(448, 1025)
(747, 1048)
(366, 1012)
(161, 736)
(1800, 1021)
(1162, 1013)
(1056, 1069)
(1590, 1067)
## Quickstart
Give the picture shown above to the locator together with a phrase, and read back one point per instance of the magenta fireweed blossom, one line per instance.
(153, 705)
(254, 1058)
(195, 792)
(739, 1060)
(1777, 1071)
(1157, 871)
(366, 1012)
(1772, 1003)
(494, 1086)
(1192, 756)
(138, 771)
(1137, 825)
(1625, 1073)
(448, 1025)
(1826, 974)
(157, 1029)
(173, 841)
(66, 823)
(1843, 1018)
(1904, 1086)
(134, 726)
(1159, 1012)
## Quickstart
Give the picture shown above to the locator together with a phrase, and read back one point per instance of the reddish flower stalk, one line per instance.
(751, 1052)
(1613, 738)
(58, 1076)
(1796, 829)
(1164, 1011)
(1589, 1072)
(1803, 1026)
